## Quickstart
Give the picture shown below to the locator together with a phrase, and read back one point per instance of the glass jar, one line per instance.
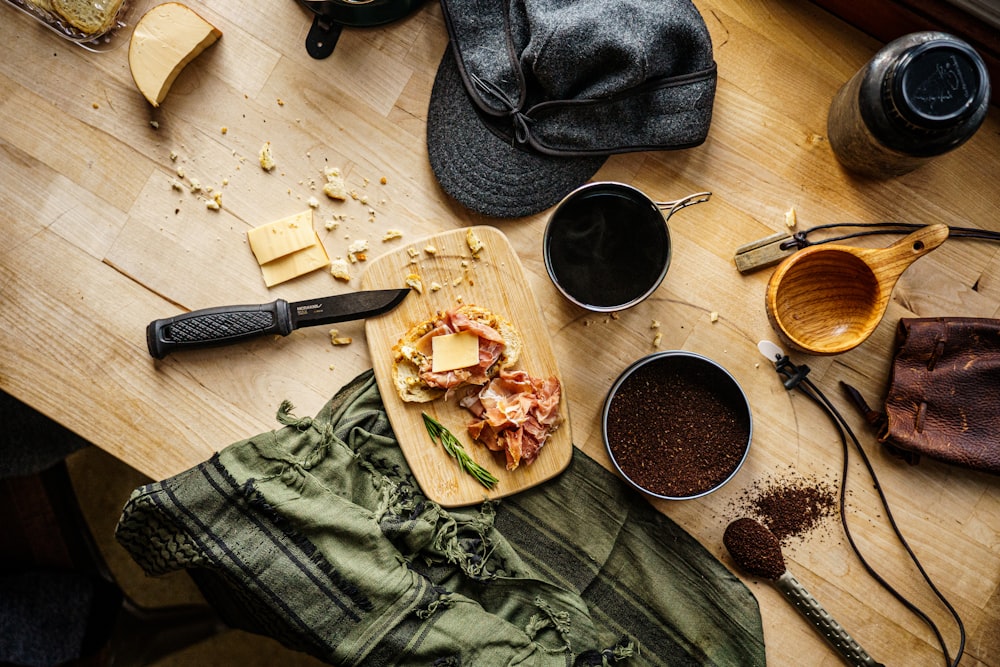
(920, 96)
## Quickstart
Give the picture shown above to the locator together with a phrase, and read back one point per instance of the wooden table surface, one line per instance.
(96, 243)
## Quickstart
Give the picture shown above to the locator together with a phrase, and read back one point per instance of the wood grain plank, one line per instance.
(85, 155)
(54, 202)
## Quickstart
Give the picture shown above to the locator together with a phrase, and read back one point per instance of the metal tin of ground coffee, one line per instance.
(677, 425)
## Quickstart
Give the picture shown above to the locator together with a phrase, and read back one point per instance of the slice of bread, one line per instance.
(44, 5)
(407, 360)
(91, 17)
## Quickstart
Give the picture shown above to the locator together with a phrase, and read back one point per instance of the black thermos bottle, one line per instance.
(920, 96)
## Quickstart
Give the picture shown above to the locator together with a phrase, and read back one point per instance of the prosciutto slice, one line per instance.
(514, 413)
(491, 346)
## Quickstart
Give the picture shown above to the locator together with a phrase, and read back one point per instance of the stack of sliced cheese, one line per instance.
(287, 248)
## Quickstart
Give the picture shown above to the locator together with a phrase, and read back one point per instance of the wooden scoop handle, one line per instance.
(889, 263)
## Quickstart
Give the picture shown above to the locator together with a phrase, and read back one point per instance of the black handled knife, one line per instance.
(223, 325)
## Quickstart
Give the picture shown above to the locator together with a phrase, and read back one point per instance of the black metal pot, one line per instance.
(332, 15)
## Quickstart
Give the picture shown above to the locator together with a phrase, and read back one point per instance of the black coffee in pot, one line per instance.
(607, 248)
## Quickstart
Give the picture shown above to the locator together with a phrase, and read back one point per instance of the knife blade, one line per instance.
(223, 325)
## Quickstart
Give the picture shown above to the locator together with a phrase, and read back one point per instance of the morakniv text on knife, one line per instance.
(223, 325)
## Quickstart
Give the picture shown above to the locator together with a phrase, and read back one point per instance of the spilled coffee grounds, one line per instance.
(789, 506)
(678, 426)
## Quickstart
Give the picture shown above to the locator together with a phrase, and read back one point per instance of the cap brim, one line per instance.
(485, 172)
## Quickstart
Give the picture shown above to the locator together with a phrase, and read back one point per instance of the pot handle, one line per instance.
(322, 37)
(671, 206)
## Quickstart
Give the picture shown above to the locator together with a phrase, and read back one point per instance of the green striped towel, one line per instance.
(318, 535)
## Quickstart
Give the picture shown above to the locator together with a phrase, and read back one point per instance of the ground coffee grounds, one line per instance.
(678, 426)
(789, 505)
(754, 548)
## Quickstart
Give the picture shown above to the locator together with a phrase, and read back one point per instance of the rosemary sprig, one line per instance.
(454, 448)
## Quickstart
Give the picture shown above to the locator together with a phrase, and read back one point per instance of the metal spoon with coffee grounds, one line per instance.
(757, 551)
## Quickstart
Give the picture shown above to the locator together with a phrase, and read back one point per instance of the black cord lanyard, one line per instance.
(800, 240)
(796, 378)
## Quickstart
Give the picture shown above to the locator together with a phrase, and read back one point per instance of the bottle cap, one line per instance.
(936, 85)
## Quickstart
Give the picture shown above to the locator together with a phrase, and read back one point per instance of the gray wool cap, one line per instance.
(533, 95)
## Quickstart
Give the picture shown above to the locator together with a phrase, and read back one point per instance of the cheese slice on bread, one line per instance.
(413, 363)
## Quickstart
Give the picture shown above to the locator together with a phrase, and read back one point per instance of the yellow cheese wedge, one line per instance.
(282, 237)
(452, 351)
(295, 264)
(164, 41)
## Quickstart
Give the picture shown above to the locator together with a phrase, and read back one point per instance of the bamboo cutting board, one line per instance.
(452, 276)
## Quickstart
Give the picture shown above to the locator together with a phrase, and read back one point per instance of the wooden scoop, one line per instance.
(827, 299)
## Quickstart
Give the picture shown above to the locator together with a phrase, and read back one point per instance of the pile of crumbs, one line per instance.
(340, 267)
(183, 182)
(334, 188)
(357, 251)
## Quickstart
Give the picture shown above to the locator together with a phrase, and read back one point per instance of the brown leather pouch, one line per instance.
(944, 393)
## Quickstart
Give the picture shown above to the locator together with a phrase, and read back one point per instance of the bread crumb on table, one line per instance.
(340, 269)
(337, 339)
(414, 282)
(791, 218)
(335, 188)
(265, 157)
(357, 251)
